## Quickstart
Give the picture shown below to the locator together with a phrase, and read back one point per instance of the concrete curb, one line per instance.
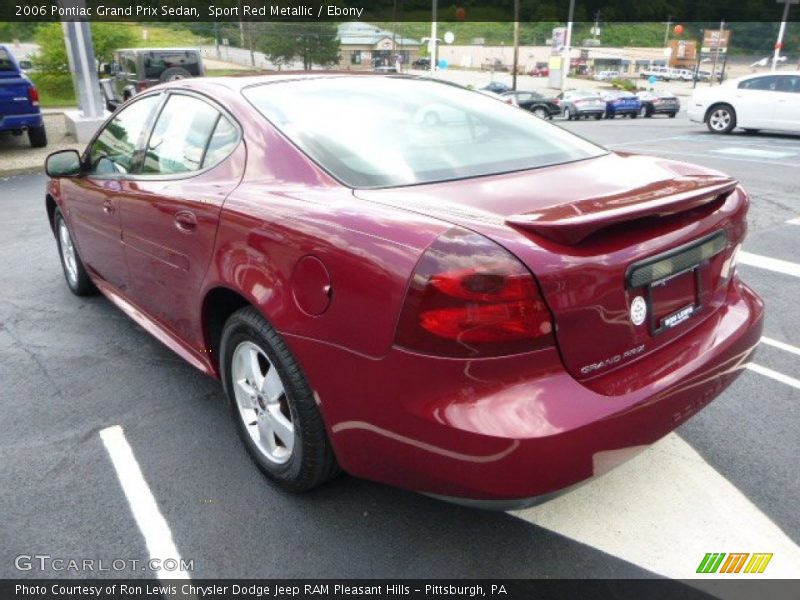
(22, 171)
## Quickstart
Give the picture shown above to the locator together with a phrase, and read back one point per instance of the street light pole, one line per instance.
(781, 31)
(565, 63)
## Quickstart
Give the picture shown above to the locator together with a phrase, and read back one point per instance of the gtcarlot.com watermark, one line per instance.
(48, 563)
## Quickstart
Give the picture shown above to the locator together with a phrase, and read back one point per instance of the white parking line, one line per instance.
(770, 264)
(782, 345)
(659, 151)
(766, 372)
(793, 221)
(664, 510)
(151, 522)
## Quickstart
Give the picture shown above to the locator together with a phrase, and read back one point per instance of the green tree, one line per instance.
(313, 43)
(106, 37)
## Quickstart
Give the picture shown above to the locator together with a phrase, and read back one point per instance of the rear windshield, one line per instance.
(6, 63)
(393, 131)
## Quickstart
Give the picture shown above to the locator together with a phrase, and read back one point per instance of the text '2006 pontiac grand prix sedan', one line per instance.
(410, 281)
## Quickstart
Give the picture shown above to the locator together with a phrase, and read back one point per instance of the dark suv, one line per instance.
(136, 69)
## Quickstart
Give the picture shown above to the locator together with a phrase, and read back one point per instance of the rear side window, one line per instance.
(789, 83)
(180, 136)
(6, 64)
(222, 143)
(113, 150)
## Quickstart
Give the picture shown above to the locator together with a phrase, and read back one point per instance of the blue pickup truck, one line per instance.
(19, 102)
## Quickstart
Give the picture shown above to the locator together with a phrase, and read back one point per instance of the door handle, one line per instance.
(185, 220)
(108, 208)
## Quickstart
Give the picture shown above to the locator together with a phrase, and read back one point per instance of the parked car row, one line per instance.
(585, 104)
(669, 74)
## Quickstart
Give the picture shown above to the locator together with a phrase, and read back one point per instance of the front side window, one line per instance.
(112, 153)
(6, 64)
(378, 132)
(180, 136)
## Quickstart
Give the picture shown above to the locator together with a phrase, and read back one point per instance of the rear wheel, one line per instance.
(272, 404)
(567, 113)
(721, 119)
(37, 136)
(74, 271)
(634, 115)
(597, 117)
(672, 115)
(540, 112)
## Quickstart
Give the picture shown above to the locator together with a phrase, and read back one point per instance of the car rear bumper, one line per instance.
(14, 122)
(502, 432)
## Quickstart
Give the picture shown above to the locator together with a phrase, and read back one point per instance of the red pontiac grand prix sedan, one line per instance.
(410, 281)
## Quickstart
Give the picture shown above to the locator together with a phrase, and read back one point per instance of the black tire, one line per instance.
(721, 118)
(634, 115)
(567, 113)
(173, 74)
(598, 117)
(311, 461)
(79, 283)
(37, 136)
(672, 115)
(541, 112)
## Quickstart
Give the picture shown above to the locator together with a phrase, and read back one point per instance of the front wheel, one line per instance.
(540, 112)
(567, 113)
(672, 115)
(597, 117)
(272, 404)
(721, 119)
(74, 272)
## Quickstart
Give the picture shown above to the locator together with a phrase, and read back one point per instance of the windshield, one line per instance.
(393, 131)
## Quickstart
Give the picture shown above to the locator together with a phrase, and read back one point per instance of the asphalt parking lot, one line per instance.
(72, 368)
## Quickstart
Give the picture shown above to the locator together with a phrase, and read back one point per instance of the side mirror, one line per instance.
(64, 163)
(25, 65)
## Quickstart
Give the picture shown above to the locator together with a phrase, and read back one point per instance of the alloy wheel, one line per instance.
(262, 403)
(68, 252)
(720, 119)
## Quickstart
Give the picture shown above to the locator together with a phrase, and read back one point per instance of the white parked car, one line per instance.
(661, 73)
(769, 101)
(606, 75)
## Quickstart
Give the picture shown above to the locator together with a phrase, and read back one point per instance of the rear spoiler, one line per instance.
(573, 222)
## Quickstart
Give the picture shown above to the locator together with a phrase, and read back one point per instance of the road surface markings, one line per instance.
(658, 151)
(151, 522)
(793, 221)
(767, 372)
(754, 152)
(770, 264)
(782, 345)
(663, 511)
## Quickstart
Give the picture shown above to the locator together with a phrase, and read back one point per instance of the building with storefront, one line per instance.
(364, 47)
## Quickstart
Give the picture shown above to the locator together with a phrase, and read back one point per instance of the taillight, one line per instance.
(141, 86)
(33, 95)
(470, 297)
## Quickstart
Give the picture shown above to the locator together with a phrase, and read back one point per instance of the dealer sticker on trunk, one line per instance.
(678, 317)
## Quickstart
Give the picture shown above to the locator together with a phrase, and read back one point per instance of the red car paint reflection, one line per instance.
(467, 333)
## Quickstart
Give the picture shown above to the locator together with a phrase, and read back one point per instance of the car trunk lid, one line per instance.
(598, 234)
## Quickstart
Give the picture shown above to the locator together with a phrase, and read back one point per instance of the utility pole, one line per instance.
(567, 47)
(781, 31)
(716, 53)
(434, 8)
(596, 30)
(666, 33)
(516, 46)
